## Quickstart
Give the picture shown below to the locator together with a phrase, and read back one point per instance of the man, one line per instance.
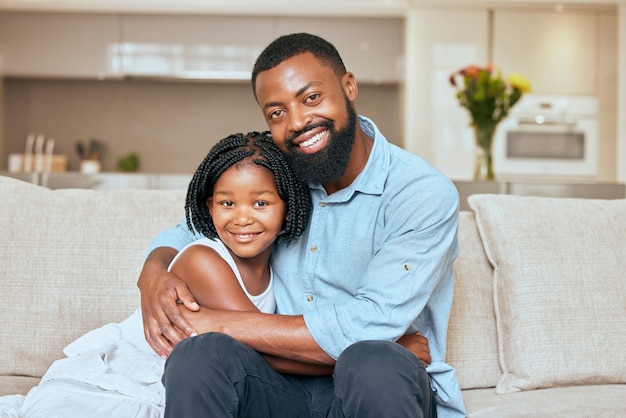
(374, 264)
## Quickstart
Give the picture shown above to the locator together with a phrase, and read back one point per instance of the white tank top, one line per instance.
(265, 301)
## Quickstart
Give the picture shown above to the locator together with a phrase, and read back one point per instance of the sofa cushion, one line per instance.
(559, 288)
(16, 385)
(472, 346)
(594, 401)
(70, 262)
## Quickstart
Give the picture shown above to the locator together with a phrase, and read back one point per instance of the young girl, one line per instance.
(243, 197)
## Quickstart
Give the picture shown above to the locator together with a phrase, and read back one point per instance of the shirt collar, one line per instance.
(372, 179)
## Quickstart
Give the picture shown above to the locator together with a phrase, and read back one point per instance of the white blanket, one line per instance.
(109, 372)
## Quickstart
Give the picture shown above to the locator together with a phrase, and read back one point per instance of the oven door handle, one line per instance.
(549, 122)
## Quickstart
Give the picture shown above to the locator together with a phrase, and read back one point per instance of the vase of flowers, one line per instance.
(488, 98)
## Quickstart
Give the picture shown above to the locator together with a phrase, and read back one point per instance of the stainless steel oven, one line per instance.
(551, 138)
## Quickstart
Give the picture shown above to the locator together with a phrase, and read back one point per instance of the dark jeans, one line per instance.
(213, 375)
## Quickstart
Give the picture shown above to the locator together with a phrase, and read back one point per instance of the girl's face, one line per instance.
(247, 212)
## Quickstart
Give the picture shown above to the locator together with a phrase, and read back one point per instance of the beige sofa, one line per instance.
(544, 334)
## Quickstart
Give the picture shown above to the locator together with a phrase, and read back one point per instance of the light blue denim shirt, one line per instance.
(375, 262)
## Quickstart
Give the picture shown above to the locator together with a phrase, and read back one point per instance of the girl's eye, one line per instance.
(227, 203)
(260, 203)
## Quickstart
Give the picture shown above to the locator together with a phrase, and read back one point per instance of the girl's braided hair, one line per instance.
(260, 149)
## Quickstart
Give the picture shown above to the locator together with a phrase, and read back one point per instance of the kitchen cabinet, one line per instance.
(556, 51)
(59, 45)
(193, 47)
(196, 47)
(199, 47)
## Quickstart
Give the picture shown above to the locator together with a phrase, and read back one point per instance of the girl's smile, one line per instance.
(247, 211)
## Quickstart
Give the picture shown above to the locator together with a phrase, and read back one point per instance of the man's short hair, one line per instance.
(288, 46)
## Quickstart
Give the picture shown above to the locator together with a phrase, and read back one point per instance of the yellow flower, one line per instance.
(519, 82)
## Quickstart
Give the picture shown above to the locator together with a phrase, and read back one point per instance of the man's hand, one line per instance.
(418, 345)
(162, 297)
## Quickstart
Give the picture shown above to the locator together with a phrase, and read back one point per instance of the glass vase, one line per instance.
(483, 163)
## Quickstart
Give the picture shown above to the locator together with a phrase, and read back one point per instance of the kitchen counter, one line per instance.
(105, 181)
(581, 190)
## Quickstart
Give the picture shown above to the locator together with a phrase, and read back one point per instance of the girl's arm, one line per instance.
(211, 280)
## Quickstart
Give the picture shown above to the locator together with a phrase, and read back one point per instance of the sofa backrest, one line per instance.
(71, 258)
(70, 262)
(472, 346)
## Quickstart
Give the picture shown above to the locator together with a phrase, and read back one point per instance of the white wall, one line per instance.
(439, 42)
(621, 100)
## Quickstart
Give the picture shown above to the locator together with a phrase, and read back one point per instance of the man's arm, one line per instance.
(166, 323)
(406, 282)
(163, 323)
(164, 326)
(284, 340)
(215, 286)
(396, 284)
(281, 336)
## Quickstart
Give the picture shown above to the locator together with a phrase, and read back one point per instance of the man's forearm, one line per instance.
(277, 335)
(157, 261)
(284, 365)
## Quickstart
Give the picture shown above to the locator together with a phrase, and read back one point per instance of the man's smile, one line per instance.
(311, 141)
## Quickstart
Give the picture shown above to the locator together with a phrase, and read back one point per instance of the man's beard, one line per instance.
(331, 162)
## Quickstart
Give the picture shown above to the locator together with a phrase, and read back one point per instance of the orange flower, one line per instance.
(470, 71)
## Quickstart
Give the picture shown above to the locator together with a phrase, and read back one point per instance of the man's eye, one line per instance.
(313, 97)
(275, 114)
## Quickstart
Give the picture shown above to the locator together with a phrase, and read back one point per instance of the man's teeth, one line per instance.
(311, 141)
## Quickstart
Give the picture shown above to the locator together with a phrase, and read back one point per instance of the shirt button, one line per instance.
(323, 204)
(313, 248)
(309, 298)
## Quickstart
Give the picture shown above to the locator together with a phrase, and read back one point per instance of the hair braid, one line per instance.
(261, 150)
